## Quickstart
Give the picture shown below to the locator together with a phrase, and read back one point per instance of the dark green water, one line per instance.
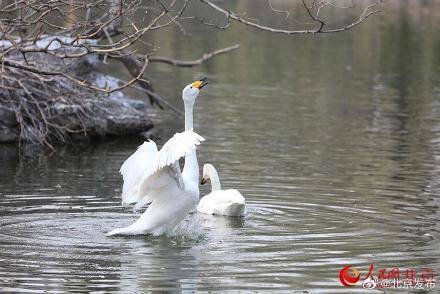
(334, 140)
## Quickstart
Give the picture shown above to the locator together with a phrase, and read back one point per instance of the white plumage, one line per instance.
(221, 202)
(152, 176)
(226, 202)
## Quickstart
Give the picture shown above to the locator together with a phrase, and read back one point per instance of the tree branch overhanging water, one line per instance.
(61, 42)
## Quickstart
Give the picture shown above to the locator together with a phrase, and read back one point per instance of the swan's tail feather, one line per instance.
(128, 231)
(114, 232)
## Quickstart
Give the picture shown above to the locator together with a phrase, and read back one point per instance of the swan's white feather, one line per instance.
(177, 147)
(144, 170)
(133, 170)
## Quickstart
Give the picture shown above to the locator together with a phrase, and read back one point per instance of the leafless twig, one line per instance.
(204, 58)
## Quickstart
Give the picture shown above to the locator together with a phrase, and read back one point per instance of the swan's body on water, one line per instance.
(221, 202)
(152, 176)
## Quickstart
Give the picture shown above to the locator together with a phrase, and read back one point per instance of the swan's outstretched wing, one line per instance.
(166, 167)
(148, 170)
(177, 147)
(134, 168)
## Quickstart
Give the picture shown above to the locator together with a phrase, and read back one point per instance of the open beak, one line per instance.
(203, 181)
(203, 82)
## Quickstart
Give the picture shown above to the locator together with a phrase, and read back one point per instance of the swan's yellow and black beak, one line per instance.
(200, 83)
(203, 181)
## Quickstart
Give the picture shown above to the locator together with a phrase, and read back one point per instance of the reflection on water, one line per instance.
(333, 140)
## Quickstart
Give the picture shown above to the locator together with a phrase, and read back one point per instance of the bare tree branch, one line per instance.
(368, 11)
(201, 60)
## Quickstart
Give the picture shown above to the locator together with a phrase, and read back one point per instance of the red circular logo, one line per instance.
(349, 276)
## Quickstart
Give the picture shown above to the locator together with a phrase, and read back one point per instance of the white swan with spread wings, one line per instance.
(152, 176)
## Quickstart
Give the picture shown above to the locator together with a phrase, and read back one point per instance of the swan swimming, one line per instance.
(152, 176)
(222, 202)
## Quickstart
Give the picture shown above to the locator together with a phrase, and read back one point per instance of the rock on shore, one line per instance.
(110, 117)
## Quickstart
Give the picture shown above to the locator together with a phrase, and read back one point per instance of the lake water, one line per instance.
(334, 140)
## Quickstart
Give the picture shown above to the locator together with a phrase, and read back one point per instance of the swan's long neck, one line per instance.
(189, 107)
(190, 171)
(215, 180)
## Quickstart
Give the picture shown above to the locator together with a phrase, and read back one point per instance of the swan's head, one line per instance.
(208, 170)
(191, 91)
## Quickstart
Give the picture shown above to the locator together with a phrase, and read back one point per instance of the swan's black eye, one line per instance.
(191, 87)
